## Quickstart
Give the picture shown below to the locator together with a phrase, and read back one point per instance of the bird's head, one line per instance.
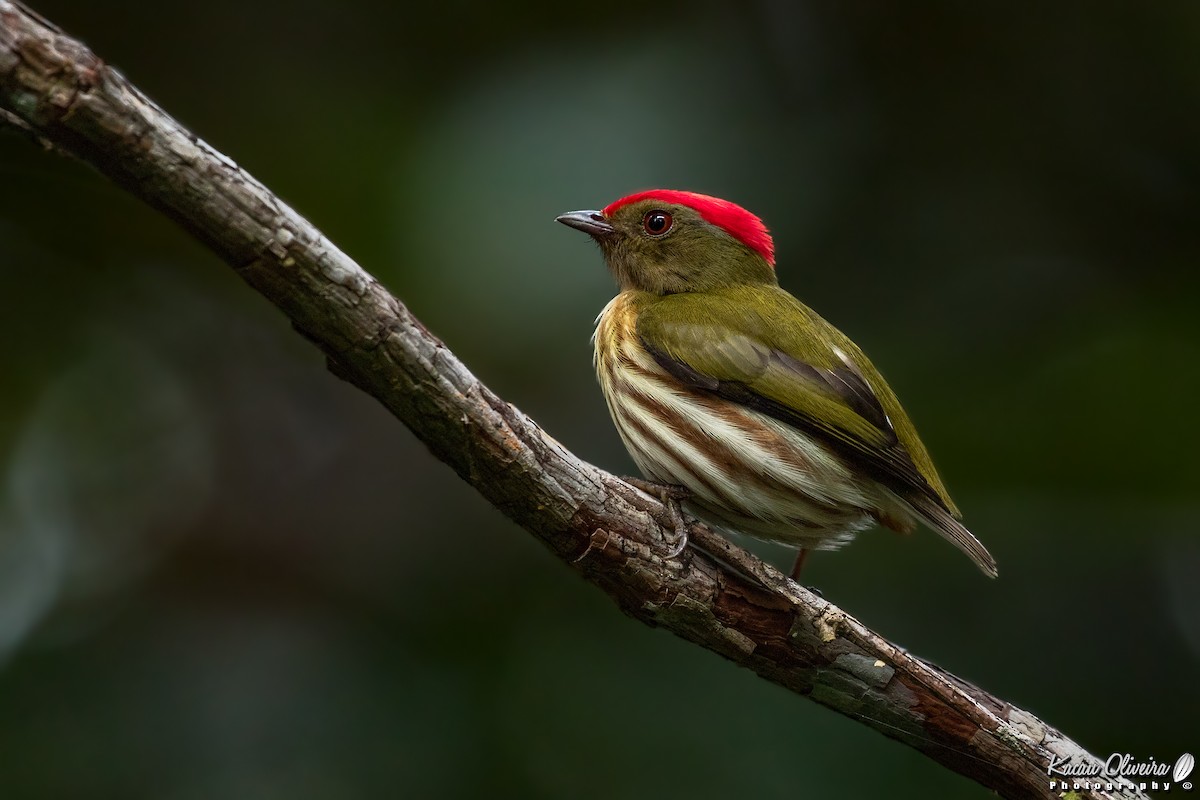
(667, 242)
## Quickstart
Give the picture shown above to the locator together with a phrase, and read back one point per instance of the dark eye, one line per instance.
(656, 223)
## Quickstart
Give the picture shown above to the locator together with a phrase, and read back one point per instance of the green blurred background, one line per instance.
(224, 573)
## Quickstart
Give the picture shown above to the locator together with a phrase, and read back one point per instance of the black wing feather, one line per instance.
(891, 465)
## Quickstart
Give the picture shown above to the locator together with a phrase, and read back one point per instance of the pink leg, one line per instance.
(801, 557)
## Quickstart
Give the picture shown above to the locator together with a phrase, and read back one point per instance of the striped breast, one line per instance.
(746, 471)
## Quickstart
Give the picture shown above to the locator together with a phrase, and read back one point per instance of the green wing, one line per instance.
(762, 348)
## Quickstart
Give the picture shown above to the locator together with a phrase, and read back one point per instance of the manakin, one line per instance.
(770, 420)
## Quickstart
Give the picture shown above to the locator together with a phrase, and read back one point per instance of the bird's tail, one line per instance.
(953, 531)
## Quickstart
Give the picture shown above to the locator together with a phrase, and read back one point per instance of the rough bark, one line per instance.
(67, 99)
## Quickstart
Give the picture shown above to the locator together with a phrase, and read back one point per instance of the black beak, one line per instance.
(592, 223)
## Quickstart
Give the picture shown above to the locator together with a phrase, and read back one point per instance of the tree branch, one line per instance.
(66, 98)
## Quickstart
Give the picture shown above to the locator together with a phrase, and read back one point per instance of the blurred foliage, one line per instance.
(223, 573)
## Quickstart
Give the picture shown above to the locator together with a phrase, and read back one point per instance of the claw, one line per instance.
(677, 521)
(670, 496)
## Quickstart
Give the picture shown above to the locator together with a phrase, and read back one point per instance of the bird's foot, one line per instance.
(798, 566)
(801, 557)
(671, 496)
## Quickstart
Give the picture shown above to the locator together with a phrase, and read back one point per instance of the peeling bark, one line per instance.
(63, 96)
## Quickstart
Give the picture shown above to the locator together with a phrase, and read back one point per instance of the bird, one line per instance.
(738, 403)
